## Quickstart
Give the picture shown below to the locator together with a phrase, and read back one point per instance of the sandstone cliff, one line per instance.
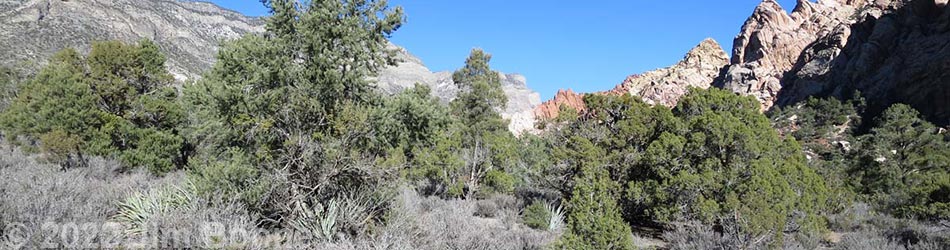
(663, 86)
(771, 41)
(896, 52)
(889, 51)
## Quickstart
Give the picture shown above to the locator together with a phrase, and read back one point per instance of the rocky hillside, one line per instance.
(894, 52)
(772, 40)
(889, 51)
(188, 32)
(663, 86)
(521, 100)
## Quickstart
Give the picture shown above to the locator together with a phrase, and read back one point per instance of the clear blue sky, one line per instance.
(583, 45)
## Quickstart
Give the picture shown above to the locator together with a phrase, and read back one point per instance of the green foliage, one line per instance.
(9, 80)
(903, 164)
(63, 149)
(116, 102)
(232, 177)
(594, 220)
(714, 158)
(292, 110)
(536, 215)
(481, 96)
(497, 181)
(412, 120)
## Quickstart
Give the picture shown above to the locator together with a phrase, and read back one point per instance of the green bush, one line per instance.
(712, 157)
(62, 149)
(499, 182)
(116, 102)
(594, 219)
(536, 216)
(903, 165)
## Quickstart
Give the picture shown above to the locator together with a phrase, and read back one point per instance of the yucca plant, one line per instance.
(317, 221)
(139, 207)
(556, 219)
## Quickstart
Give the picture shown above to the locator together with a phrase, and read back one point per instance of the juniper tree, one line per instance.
(483, 134)
(116, 102)
(903, 164)
(297, 100)
(594, 220)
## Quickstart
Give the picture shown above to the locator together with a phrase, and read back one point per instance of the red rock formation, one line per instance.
(551, 109)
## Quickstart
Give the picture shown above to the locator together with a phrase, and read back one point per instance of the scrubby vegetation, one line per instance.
(285, 143)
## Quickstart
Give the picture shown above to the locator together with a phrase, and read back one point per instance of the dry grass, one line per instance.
(42, 206)
(432, 223)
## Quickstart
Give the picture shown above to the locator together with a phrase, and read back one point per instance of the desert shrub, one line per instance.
(417, 222)
(496, 205)
(536, 216)
(695, 235)
(116, 102)
(712, 158)
(205, 224)
(33, 194)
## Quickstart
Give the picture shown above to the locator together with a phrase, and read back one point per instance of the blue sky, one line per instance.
(583, 45)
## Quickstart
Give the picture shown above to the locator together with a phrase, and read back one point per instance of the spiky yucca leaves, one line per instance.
(556, 216)
(318, 222)
(136, 211)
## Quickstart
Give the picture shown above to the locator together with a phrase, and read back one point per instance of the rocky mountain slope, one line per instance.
(665, 86)
(894, 52)
(772, 40)
(521, 99)
(188, 32)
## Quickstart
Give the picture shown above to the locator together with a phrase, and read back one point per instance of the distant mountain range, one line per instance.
(889, 50)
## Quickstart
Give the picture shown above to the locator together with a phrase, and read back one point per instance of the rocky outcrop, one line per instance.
(663, 86)
(410, 70)
(698, 69)
(897, 52)
(771, 42)
(552, 108)
(188, 32)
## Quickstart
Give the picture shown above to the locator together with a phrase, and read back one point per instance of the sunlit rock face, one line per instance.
(771, 42)
(895, 51)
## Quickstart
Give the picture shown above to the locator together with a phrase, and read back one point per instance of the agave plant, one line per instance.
(139, 207)
(556, 221)
(317, 221)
